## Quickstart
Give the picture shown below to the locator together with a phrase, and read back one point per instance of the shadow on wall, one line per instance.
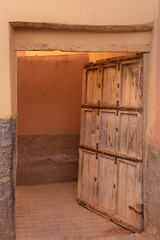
(49, 100)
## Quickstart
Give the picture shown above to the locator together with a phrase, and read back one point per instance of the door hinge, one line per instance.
(116, 129)
(118, 85)
(95, 179)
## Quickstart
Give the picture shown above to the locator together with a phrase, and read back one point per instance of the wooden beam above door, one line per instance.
(147, 27)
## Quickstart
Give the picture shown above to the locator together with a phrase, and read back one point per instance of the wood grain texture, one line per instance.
(106, 171)
(126, 190)
(117, 128)
(87, 28)
(88, 176)
(88, 128)
(131, 81)
(92, 93)
(130, 134)
(109, 85)
(107, 130)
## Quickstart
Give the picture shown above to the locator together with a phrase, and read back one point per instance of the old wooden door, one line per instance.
(110, 159)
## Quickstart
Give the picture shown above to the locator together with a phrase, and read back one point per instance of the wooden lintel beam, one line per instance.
(85, 28)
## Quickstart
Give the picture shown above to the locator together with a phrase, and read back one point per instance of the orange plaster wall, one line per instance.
(49, 94)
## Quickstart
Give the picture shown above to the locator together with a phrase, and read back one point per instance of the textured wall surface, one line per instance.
(49, 94)
(152, 195)
(152, 175)
(7, 133)
(47, 159)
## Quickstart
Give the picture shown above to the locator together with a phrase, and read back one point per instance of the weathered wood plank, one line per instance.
(84, 86)
(130, 134)
(109, 85)
(114, 60)
(126, 190)
(130, 83)
(87, 28)
(80, 172)
(107, 130)
(88, 176)
(88, 128)
(106, 188)
(129, 198)
(92, 91)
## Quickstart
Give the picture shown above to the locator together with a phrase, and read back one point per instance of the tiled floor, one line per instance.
(51, 212)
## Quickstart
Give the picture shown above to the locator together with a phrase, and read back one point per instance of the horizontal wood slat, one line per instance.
(113, 61)
(85, 28)
(114, 154)
(134, 109)
(107, 215)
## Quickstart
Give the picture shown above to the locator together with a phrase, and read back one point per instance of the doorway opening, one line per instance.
(49, 112)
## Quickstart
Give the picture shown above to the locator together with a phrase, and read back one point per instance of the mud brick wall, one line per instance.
(47, 159)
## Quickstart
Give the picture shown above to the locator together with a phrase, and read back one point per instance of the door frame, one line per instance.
(19, 42)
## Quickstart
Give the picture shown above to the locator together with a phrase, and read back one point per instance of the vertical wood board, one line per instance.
(107, 130)
(88, 176)
(127, 191)
(130, 134)
(88, 127)
(109, 93)
(106, 183)
(92, 90)
(131, 94)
